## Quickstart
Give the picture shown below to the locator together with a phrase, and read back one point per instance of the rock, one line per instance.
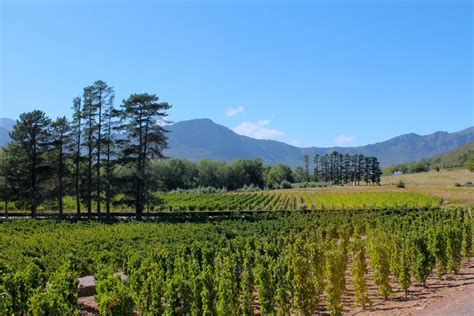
(87, 286)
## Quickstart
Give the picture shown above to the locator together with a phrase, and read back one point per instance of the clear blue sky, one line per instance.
(308, 73)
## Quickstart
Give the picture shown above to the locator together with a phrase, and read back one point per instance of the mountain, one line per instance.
(6, 126)
(202, 138)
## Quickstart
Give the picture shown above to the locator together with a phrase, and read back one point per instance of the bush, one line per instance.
(250, 188)
(285, 185)
(457, 185)
(400, 184)
(310, 185)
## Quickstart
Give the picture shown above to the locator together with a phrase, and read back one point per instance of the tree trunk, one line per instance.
(78, 155)
(60, 196)
(99, 143)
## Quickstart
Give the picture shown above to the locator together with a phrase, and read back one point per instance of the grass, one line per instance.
(440, 183)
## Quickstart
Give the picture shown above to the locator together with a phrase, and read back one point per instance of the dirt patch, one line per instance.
(420, 300)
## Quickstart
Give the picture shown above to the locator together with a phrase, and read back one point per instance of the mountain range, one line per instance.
(204, 139)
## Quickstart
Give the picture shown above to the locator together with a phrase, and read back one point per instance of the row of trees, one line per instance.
(334, 168)
(101, 150)
(337, 168)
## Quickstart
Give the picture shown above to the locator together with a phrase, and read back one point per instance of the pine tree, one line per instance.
(89, 114)
(306, 167)
(60, 130)
(102, 96)
(31, 141)
(141, 115)
(110, 151)
(76, 141)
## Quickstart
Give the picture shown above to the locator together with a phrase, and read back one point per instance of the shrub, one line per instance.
(400, 184)
(285, 185)
(457, 185)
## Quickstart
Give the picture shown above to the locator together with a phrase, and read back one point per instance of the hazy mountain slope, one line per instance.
(6, 126)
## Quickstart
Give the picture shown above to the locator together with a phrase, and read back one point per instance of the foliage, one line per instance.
(113, 297)
(282, 261)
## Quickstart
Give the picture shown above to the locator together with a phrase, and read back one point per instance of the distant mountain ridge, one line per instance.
(203, 139)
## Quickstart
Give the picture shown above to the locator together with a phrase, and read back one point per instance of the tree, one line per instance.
(140, 115)
(60, 139)
(317, 168)
(279, 173)
(76, 128)
(299, 175)
(101, 97)
(89, 113)
(8, 171)
(30, 138)
(110, 150)
(306, 167)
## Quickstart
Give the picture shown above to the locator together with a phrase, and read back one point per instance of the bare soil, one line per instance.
(437, 298)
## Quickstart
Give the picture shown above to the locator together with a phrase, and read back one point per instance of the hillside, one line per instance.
(203, 139)
(461, 157)
(453, 158)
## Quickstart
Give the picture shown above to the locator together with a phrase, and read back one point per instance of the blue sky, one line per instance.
(317, 73)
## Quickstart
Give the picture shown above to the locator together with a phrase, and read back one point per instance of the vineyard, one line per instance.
(293, 200)
(270, 263)
(262, 201)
